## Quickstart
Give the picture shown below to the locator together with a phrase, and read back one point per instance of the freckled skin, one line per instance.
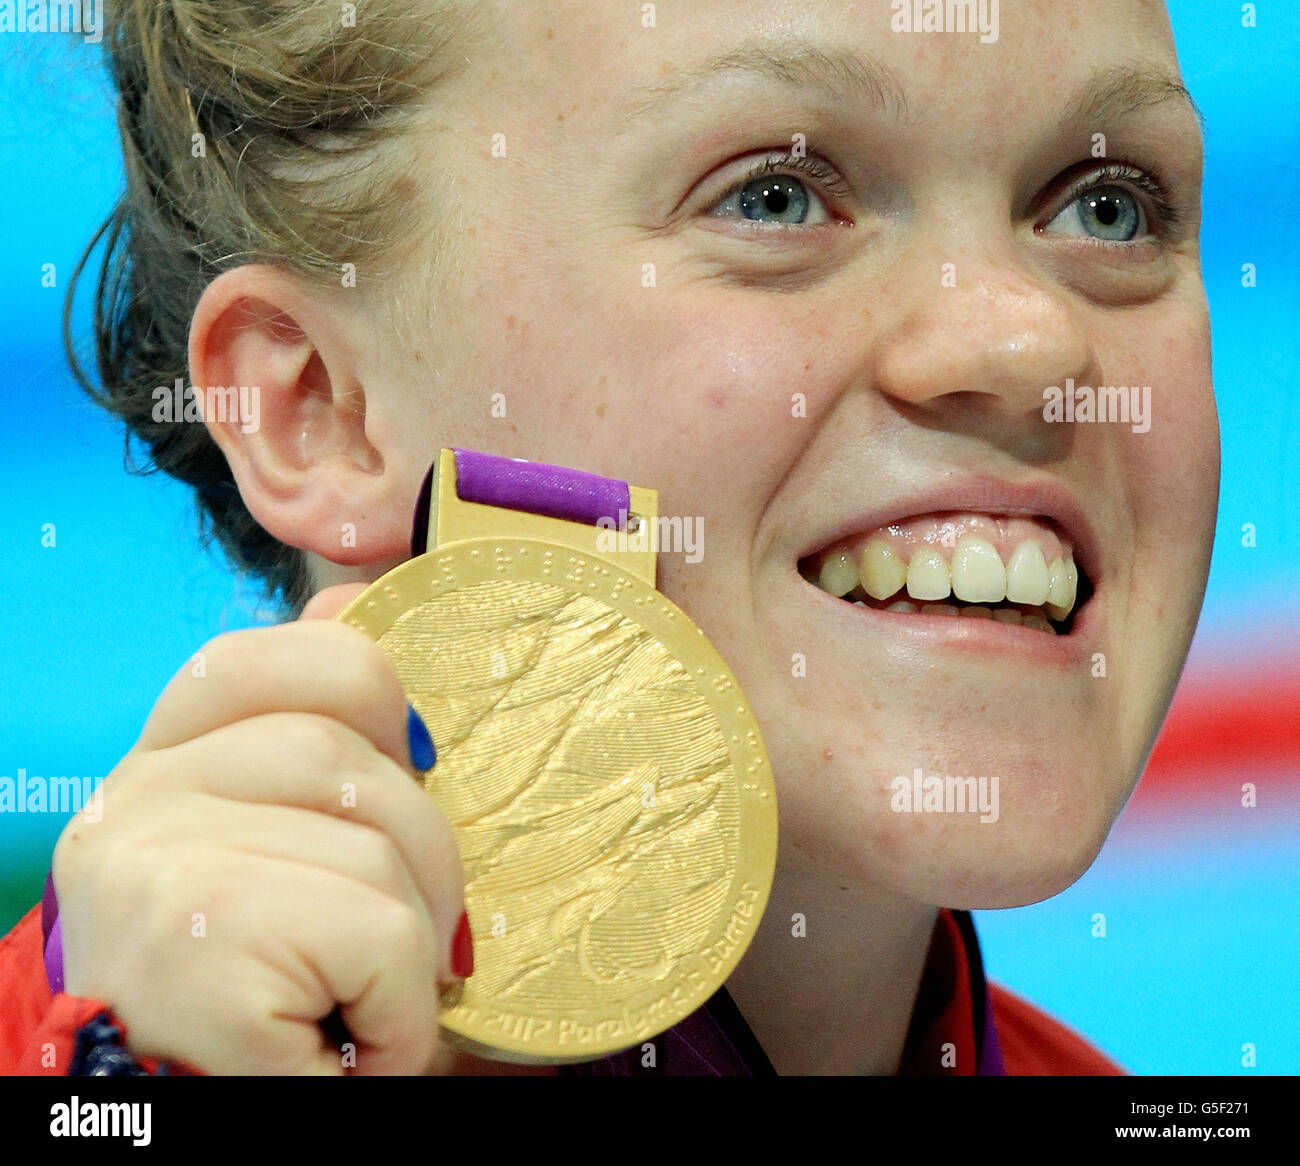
(702, 371)
(687, 386)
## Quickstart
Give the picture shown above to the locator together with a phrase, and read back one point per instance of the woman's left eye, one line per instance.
(1112, 214)
(768, 196)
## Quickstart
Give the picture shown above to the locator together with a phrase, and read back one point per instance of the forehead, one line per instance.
(633, 56)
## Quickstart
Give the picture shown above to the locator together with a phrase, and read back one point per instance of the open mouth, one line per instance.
(1014, 569)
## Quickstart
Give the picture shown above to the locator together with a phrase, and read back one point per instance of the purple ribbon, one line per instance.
(540, 488)
(52, 931)
(991, 1060)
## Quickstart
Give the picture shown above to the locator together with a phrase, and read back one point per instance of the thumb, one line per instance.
(328, 603)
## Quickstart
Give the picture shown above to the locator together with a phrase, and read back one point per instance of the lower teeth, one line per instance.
(1032, 619)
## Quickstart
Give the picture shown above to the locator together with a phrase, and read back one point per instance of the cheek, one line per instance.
(657, 372)
(1169, 477)
(731, 383)
(706, 396)
(1173, 469)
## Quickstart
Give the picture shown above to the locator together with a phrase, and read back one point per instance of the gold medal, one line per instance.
(610, 793)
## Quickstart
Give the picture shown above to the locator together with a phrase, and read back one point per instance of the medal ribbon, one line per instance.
(535, 487)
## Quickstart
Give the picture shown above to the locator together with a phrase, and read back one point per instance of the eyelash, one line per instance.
(1148, 181)
(826, 176)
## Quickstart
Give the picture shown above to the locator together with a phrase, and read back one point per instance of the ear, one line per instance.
(298, 446)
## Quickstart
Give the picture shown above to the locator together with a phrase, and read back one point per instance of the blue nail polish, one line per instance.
(423, 754)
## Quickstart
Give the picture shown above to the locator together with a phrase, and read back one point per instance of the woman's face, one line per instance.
(864, 342)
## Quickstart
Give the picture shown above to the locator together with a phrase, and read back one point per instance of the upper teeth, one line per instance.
(976, 573)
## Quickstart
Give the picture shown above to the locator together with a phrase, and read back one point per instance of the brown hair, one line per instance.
(251, 133)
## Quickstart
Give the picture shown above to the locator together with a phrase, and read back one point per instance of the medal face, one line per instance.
(607, 783)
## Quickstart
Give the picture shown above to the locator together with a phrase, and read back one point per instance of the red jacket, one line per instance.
(38, 1032)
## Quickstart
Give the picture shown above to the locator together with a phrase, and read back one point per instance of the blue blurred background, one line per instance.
(1200, 897)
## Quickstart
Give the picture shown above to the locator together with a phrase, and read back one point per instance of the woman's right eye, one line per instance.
(781, 190)
(774, 198)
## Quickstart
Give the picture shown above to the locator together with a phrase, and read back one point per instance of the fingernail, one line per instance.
(423, 754)
(462, 949)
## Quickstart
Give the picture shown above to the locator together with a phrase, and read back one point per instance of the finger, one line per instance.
(350, 848)
(307, 940)
(317, 764)
(328, 603)
(317, 666)
(370, 955)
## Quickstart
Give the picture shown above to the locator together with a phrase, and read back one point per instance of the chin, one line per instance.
(990, 870)
(971, 830)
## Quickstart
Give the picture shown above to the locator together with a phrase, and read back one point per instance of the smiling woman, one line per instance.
(872, 255)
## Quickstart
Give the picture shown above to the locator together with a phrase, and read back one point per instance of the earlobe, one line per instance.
(297, 442)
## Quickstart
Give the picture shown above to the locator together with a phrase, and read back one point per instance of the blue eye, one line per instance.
(1110, 213)
(770, 197)
(775, 197)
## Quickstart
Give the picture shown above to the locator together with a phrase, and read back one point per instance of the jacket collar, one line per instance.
(951, 1032)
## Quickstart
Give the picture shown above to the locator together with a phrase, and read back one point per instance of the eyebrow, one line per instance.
(852, 77)
(1120, 91)
(838, 74)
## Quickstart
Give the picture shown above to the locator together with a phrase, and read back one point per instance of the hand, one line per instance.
(265, 854)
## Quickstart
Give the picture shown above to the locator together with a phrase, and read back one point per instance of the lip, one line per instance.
(1042, 497)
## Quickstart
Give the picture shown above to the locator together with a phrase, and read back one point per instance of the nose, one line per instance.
(984, 332)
